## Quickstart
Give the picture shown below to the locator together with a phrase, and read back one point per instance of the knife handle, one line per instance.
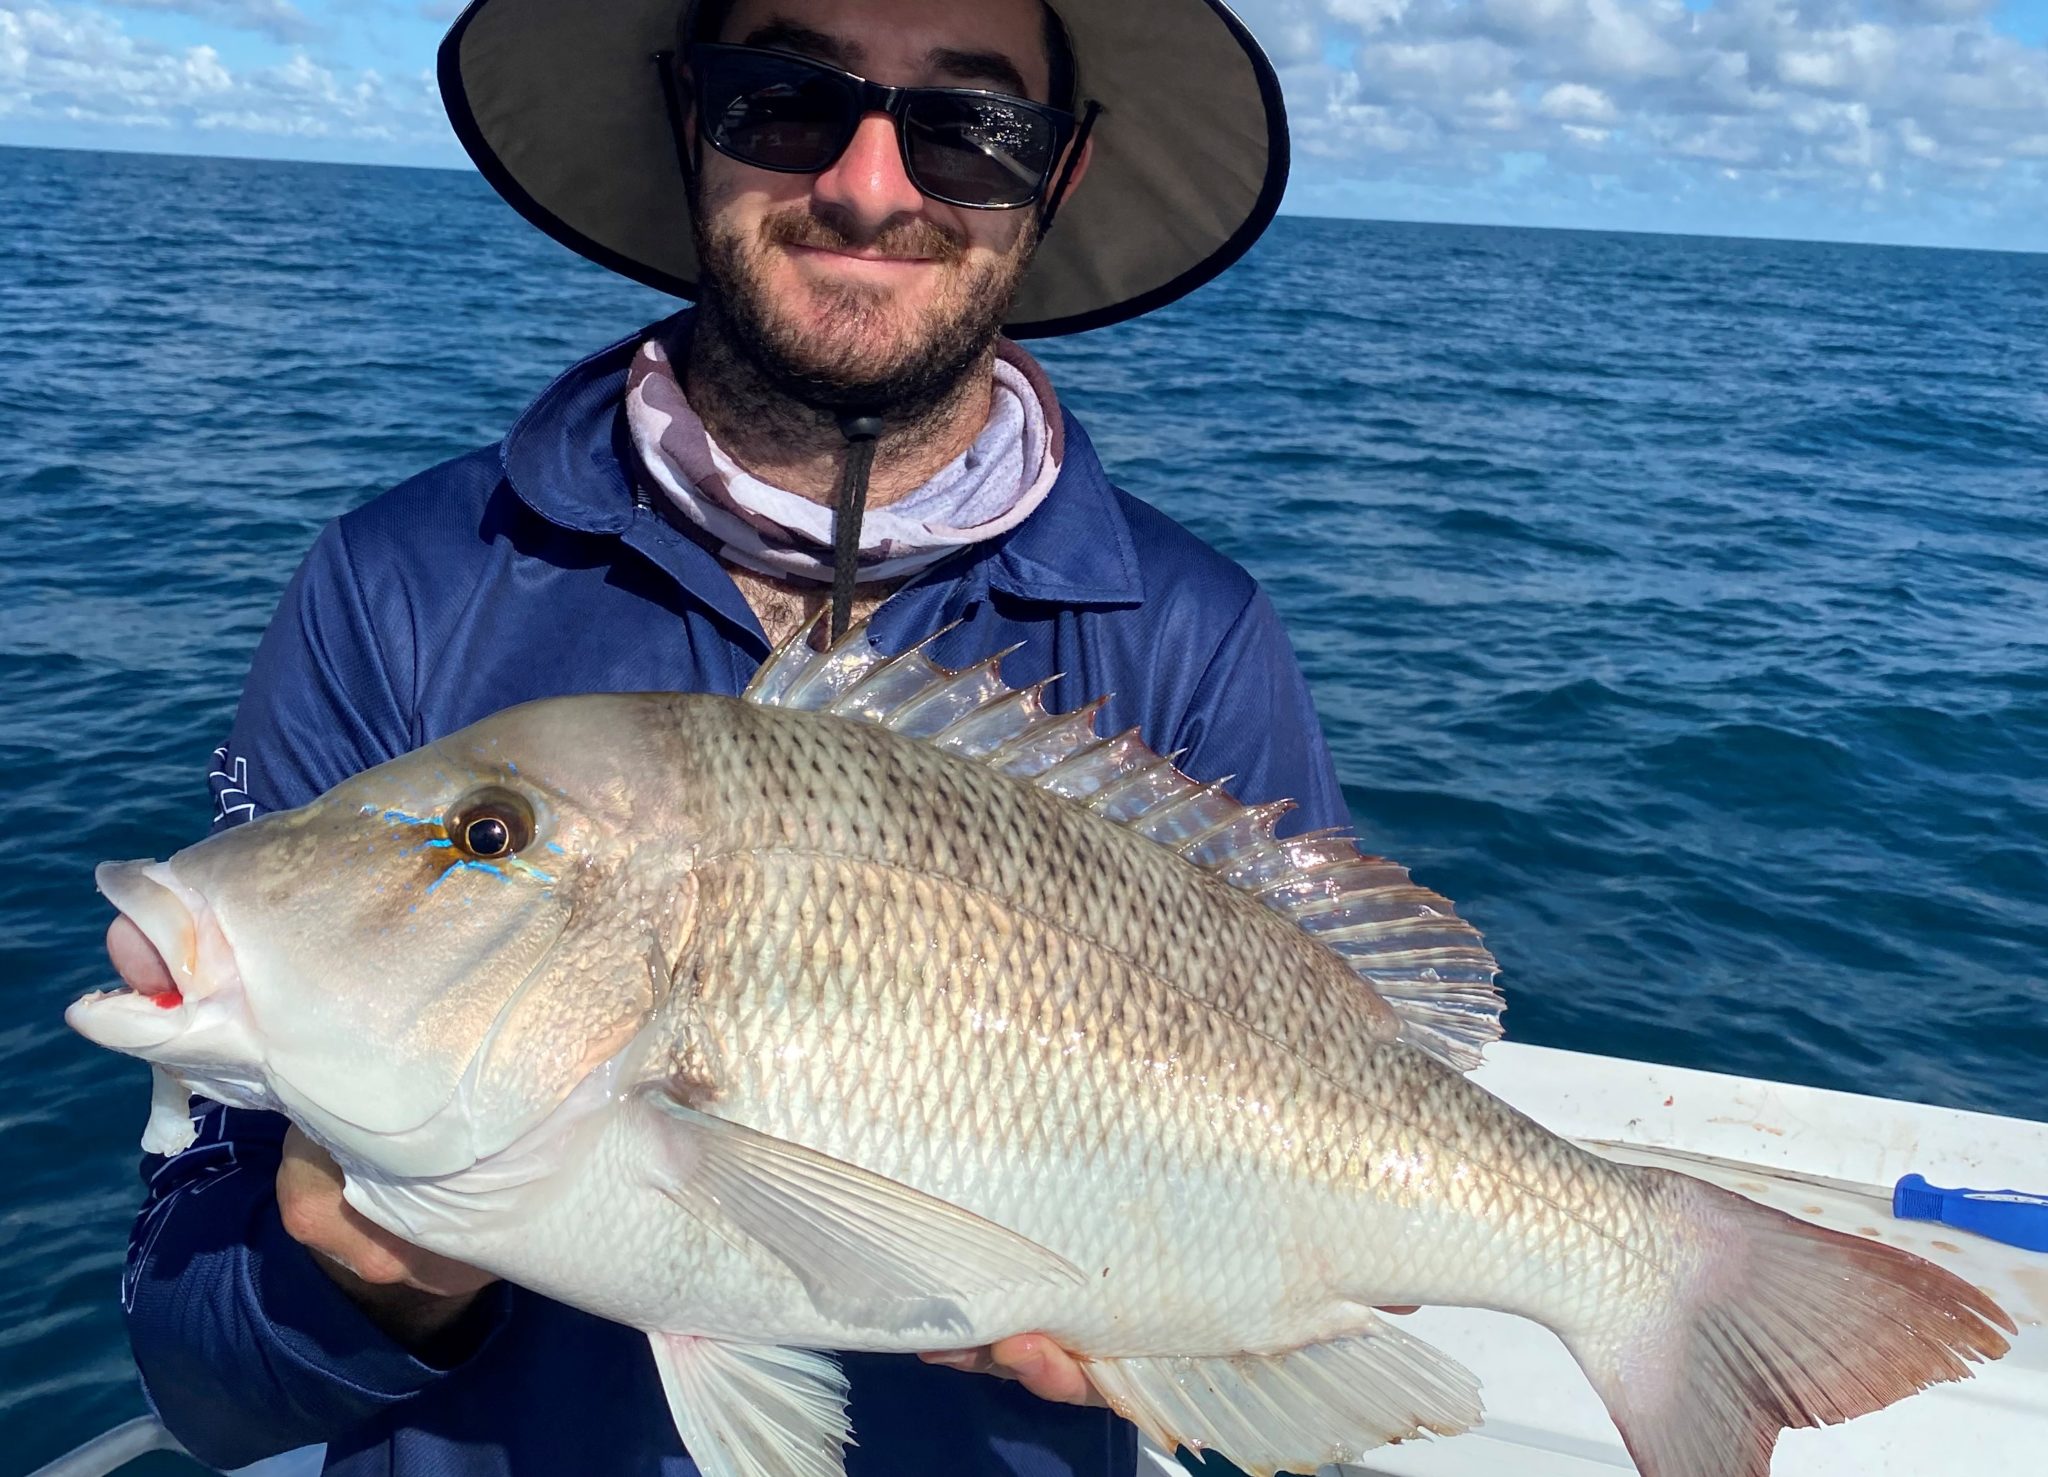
(2011, 1216)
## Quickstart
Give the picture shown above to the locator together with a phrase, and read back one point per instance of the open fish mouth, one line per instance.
(182, 927)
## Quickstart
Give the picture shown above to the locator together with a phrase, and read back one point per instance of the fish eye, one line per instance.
(490, 824)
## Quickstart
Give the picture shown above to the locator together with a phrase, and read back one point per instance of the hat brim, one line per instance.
(561, 108)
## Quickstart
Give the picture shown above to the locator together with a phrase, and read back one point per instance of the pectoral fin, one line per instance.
(1299, 1411)
(754, 1410)
(870, 1251)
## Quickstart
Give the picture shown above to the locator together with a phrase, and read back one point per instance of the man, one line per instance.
(838, 421)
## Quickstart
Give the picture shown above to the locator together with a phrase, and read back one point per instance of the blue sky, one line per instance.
(1919, 121)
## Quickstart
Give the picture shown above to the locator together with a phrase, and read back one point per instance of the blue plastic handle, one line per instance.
(2011, 1216)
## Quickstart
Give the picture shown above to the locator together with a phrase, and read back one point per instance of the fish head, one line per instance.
(422, 964)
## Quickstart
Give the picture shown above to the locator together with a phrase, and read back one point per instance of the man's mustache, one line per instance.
(903, 239)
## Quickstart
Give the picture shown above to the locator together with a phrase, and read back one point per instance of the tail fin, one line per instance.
(1775, 1324)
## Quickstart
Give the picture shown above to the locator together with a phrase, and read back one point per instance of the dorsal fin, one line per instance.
(1404, 941)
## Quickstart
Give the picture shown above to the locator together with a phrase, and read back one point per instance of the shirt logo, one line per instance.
(229, 780)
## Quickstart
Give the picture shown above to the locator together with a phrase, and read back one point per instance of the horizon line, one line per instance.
(469, 169)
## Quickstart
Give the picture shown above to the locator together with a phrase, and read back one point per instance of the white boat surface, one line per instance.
(1827, 1157)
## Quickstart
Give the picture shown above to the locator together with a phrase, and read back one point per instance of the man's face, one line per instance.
(850, 286)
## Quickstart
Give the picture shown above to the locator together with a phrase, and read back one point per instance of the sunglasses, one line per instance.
(772, 110)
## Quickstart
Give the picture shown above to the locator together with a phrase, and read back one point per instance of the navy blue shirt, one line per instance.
(533, 569)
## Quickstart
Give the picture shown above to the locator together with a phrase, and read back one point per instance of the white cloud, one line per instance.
(1919, 102)
(1627, 39)
(1858, 60)
(1368, 15)
(280, 20)
(71, 65)
(1574, 102)
(1937, 10)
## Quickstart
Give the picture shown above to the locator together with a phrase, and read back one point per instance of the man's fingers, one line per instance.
(1043, 1368)
(1033, 1360)
(135, 958)
(310, 1203)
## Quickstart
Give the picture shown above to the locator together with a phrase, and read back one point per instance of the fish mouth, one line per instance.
(181, 925)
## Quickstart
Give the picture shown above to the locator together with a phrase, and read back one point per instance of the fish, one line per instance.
(883, 1008)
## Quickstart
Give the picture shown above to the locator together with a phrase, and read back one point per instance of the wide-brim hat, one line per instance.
(561, 106)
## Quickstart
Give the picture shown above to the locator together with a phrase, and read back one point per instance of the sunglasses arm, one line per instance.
(676, 105)
(1049, 207)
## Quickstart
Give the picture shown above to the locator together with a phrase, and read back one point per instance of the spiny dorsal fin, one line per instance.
(1404, 941)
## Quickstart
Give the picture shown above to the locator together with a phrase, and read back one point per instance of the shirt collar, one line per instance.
(567, 458)
(563, 457)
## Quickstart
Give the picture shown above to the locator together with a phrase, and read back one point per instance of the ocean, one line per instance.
(1678, 606)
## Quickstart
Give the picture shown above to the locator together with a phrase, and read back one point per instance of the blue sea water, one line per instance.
(1678, 606)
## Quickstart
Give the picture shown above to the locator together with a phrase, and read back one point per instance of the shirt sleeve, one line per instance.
(246, 1347)
(1251, 716)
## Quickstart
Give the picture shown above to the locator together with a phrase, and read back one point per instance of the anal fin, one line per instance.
(1297, 1411)
(748, 1410)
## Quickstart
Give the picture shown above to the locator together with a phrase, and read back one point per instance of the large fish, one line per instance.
(884, 1010)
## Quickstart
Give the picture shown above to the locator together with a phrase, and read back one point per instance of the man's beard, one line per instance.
(859, 367)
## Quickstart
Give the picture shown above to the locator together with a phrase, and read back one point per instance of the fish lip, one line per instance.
(181, 926)
(122, 1020)
(152, 898)
(149, 895)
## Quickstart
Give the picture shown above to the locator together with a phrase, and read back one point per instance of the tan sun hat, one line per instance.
(561, 106)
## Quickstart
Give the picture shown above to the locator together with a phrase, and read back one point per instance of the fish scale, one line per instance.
(884, 1010)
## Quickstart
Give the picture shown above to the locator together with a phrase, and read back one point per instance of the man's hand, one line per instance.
(416, 1296)
(354, 1251)
(1033, 1360)
(1038, 1364)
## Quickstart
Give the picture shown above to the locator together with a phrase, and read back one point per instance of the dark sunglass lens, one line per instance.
(776, 116)
(978, 151)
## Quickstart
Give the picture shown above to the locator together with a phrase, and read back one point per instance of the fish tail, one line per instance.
(1772, 1323)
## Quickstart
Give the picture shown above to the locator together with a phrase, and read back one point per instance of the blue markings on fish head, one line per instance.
(437, 950)
(487, 868)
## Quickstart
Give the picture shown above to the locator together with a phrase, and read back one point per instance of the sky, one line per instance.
(1920, 122)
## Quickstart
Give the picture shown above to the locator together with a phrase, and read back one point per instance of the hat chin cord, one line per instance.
(861, 430)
